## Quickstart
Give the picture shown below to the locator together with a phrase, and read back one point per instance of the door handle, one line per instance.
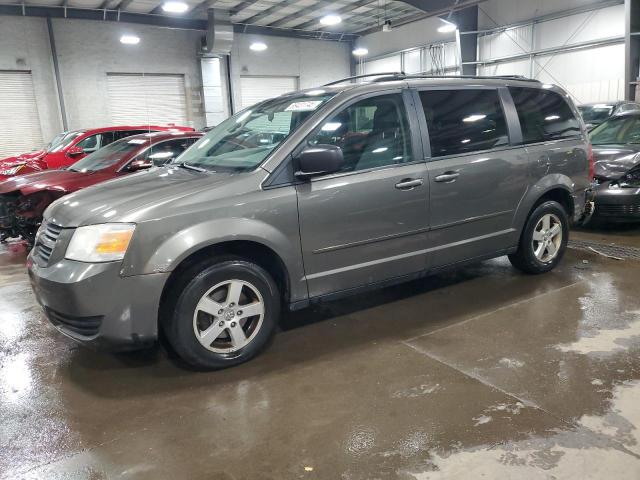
(447, 177)
(409, 183)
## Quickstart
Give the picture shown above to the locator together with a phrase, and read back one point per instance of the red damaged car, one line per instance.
(69, 147)
(24, 198)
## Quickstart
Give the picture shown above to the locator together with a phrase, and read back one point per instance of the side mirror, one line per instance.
(319, 160)
(137, 165)
(75, 151)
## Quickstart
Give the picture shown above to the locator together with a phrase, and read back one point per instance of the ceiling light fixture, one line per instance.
(360, 52)
(130, 39)
(258, 46)
(448, 27)
(175, 7)
(330, 19)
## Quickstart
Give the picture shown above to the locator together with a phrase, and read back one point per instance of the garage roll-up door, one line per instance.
(19, 121)
(257, 89)
(147, 99)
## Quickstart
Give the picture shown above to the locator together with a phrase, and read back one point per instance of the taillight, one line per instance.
(592, 167)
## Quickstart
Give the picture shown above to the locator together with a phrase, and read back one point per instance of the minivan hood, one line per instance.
(614, 161)
(146, 195)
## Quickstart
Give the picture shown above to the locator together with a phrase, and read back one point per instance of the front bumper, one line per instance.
(93, 304)
(617, 204)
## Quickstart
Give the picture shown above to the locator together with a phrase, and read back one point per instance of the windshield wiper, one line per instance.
(192, 167)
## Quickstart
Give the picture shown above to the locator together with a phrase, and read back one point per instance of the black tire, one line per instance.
(178, 325)
(524, 258)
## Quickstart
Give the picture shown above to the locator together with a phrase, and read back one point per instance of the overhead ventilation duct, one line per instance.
(219, 38)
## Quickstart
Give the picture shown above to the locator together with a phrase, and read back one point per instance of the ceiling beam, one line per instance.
(270, 11)
(317, 8)
(292, 16)
(123, 4)
(347, 9)
(205, 5)
(241, 6)
(430, 5)
(421, 16)
(176, 22)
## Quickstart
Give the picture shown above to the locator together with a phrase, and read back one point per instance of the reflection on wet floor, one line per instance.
(482, 370)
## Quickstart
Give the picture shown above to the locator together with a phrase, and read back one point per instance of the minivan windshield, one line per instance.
(617, 130)
(244, 141)
(110, 155)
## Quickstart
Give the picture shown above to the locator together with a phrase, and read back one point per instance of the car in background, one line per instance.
(616, 150)
(23, 198)
(69, 147)
(595, 114)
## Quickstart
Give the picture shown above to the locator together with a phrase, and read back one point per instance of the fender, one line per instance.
(177, 246)
(538, 190)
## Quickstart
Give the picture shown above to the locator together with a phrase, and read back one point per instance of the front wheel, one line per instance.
(225, 314)
(543, 240)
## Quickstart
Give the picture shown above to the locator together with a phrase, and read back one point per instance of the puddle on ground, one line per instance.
(613, 452)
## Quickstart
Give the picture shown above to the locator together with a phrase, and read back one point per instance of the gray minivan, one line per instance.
(308, 197)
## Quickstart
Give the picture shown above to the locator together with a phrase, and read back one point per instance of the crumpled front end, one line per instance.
(21, 215)
(618, 200)
(9, 168)
(7, 216)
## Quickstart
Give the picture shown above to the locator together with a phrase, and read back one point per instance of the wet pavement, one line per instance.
(626, 235)
(479, 373)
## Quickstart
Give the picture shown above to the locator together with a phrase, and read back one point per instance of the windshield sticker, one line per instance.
(307, 106)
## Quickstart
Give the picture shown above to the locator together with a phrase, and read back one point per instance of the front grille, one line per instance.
(621, 210)
(46, 241)
(85, 326)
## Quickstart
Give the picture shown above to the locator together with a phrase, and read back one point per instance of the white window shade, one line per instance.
(413, 61)
(254, 89)
(19, 121)
(147, 99)
(384, 65)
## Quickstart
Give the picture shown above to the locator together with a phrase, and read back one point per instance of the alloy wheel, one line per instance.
(228, 316)
(547, 238)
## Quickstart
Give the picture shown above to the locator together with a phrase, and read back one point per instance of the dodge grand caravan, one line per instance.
(310, 196)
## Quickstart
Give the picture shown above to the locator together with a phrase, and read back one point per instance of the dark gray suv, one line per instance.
(308, 197)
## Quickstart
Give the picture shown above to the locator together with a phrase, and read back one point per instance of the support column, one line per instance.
(56, 72)
(467, 21)
(632, 49)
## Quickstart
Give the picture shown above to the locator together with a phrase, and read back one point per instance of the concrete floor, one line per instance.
(481, 373)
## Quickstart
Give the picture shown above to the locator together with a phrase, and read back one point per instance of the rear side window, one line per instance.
(118, 134)
(462, 121)
(544, 115)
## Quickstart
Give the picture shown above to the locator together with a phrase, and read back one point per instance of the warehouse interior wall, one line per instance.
(582, 52)
(25, 46)
(313, 62)
(590, 60)
(89, 50)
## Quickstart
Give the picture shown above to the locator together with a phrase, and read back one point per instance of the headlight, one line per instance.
(107, 242)
(11, 171)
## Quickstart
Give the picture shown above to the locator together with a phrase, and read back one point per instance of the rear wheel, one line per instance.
(543, 240)
(225, 314)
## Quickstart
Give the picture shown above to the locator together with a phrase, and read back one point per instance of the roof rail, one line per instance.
(390, 76)
(357, 77)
